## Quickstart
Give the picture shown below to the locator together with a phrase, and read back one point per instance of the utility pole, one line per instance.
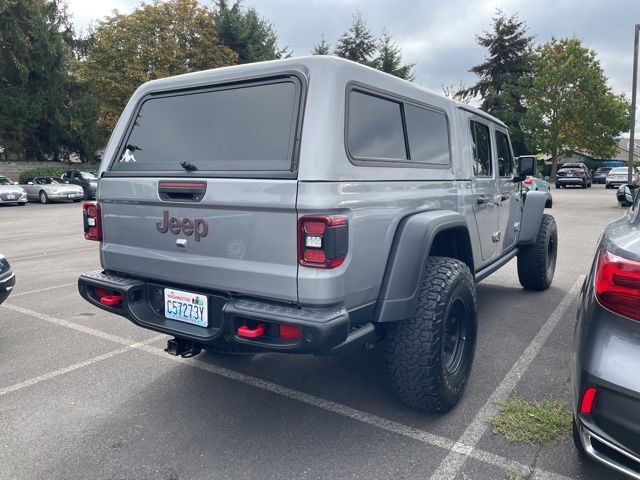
(632, 145)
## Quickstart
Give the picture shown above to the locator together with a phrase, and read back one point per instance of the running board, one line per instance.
(501, 262)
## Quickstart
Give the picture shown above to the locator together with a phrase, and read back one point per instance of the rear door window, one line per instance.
(250, 127)
(375, 128)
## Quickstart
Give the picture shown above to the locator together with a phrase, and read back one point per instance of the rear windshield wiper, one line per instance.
(190, 167)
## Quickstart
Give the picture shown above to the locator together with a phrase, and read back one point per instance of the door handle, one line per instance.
(483, 199)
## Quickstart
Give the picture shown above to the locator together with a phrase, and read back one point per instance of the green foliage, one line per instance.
(511, 475)
(505, 75)
(154, 41)
(41, 107)
(322, 48)
(357, 44)
(569, 102)
(389, 59)
(244, 31)
(533, 422)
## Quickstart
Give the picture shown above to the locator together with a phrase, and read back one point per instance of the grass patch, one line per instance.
(533, 422)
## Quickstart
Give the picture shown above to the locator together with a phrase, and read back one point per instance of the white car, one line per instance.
(46, 189)
(11, 192)
(619, 176)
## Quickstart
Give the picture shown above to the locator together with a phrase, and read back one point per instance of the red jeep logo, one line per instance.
(197, 227)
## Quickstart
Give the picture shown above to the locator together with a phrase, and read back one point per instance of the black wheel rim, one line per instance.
(455, 337)
(552, 253)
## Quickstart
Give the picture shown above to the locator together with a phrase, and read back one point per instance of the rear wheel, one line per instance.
(576, 439)
(537, 262)
(43, 197)
(584, 184)
(429, 356)
(85, 193)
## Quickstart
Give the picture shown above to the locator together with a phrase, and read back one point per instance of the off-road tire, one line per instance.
(415, 354)
(536, 263)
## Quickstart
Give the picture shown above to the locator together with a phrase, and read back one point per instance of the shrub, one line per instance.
(55, 172)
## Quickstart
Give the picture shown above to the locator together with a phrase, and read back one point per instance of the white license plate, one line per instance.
(11, 196)
(186, 307)
(571, 178)
(72, 195)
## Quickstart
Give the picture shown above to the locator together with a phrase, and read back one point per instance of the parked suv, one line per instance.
(302, 205)
(87, 180)
(573, 174)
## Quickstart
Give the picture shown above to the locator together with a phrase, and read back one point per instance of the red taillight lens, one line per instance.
(617, 284)
(322, 241)
(290, 332)
(528, 181)
(588, 400)
(92, 221)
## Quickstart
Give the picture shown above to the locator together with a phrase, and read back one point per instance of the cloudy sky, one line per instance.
(439, 36)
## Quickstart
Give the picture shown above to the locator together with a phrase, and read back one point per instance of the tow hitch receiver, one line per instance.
(184, 348)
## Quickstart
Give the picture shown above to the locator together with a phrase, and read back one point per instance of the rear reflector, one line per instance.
(290, 332)
(588, 400)
(92, 221)
(617, 284)
(323, 241)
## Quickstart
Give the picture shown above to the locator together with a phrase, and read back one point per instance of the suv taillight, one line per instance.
(92, 221)
(617, 284)
(323, 241)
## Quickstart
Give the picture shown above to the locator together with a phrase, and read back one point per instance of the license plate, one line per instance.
(571, 178)
(186, 307)
(72, 195)
(11, 196)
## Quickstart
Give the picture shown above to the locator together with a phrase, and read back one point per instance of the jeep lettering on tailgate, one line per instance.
(187, 226)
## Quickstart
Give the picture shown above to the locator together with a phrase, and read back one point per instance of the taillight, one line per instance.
(588, 400)
(92, 222)
(323, 241)
(617, 284)
(528, 181)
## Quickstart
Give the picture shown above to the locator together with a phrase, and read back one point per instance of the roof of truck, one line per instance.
(318, 64)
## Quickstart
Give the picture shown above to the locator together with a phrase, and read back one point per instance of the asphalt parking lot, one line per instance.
(86, 394)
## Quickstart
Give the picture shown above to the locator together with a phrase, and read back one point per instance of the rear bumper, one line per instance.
(65, 196)
(18, 198)
(323, 328)
(571, 181)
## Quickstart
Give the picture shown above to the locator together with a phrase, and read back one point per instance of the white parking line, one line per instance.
(49, 254)
(39, 290)
(333, 407)
(450, 467)
(75, 366)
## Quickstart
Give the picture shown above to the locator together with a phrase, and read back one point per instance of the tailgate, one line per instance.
(240, 237)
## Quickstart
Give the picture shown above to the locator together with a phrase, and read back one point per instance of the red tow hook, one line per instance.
(246, 332)
(108, 299)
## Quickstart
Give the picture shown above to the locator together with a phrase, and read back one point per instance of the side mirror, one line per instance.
(626, 194)
(526, 166)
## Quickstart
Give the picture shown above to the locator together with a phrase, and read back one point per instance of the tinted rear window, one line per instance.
(375, 128)
(428, 134)
(250, 127)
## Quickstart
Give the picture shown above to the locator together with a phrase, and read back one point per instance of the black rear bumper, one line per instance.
(323, 329)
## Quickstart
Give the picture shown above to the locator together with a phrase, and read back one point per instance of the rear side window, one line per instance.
(481, 150)
(505, 158)
(428, 135)
(375, 129)
(243, 128)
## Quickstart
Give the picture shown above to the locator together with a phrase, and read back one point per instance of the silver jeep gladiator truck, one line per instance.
(301, 205)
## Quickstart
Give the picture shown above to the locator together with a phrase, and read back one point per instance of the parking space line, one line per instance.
(308, 399)
(75, 366)
(49, 254)
(451, 465)
(39, 290)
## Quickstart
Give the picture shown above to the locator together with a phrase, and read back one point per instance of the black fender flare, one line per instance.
(532, 211)
(407, 259)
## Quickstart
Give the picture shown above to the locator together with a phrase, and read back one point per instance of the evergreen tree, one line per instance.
(389, 58)
(357, 44)
(247, 33)
(505, 74)
(322, 48)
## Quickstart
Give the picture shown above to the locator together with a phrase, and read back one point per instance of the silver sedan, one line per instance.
(11, 192)
(47, 189)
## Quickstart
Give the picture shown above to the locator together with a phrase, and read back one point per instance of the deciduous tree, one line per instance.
(569, 104)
